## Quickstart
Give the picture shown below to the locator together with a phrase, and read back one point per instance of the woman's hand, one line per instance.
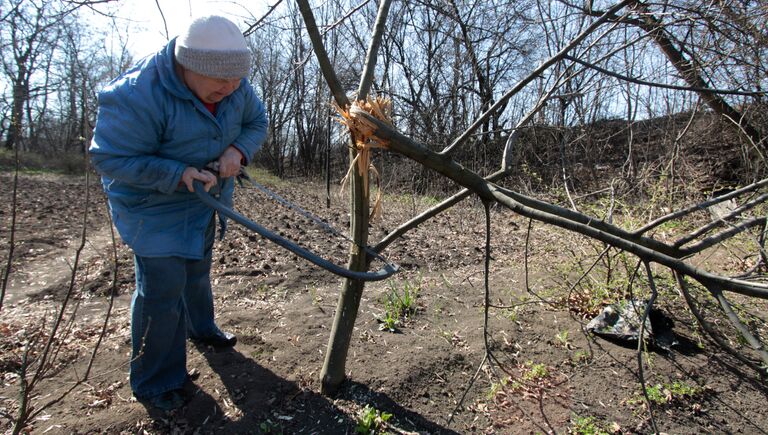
(229, 162)
(191, 174)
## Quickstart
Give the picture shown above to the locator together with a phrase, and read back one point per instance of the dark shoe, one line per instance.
(167, 401)
(222, 340)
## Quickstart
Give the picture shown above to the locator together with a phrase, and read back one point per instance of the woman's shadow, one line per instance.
(259, 401)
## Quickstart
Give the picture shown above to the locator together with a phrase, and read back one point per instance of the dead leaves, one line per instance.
(102, 398)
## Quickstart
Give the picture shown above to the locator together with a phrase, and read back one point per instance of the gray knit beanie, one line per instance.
(214, 47)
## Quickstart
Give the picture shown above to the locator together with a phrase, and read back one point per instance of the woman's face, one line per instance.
(208, 89)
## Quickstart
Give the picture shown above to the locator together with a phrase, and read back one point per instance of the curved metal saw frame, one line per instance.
(381, 274)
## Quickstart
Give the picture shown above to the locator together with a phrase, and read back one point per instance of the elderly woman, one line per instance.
(158, 126)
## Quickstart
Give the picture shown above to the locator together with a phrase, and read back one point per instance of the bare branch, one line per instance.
(755, 343)
(12, 235)
(721, 220)
(641, 342)
(255, 25)
(366, 78)
(322, 55)
(162, 15)
(662, 85)
(700, 206)
(345, 17)
(721, 236)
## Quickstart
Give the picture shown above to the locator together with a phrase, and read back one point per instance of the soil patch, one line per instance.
(544, 373)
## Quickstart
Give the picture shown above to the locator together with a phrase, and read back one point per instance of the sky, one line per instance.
(147, 32)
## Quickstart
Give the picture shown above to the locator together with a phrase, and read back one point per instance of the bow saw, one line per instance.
(385, 272)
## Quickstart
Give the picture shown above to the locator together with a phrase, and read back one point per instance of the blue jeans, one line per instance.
(172, 299)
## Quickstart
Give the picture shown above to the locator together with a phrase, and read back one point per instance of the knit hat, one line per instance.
(213, 46)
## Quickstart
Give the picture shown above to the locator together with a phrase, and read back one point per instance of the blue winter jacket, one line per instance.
(149, 128)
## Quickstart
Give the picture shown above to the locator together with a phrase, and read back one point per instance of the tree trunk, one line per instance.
(332, 374)
(17, 109)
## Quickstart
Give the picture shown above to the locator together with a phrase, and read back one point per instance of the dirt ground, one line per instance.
(543, 373)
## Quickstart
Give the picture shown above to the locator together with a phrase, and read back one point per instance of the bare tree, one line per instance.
(273, 77)
(27, 40)
(42, 55)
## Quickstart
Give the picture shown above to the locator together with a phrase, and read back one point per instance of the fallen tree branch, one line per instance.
(644, 247)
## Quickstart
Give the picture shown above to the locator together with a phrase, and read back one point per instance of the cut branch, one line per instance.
(645, 248)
